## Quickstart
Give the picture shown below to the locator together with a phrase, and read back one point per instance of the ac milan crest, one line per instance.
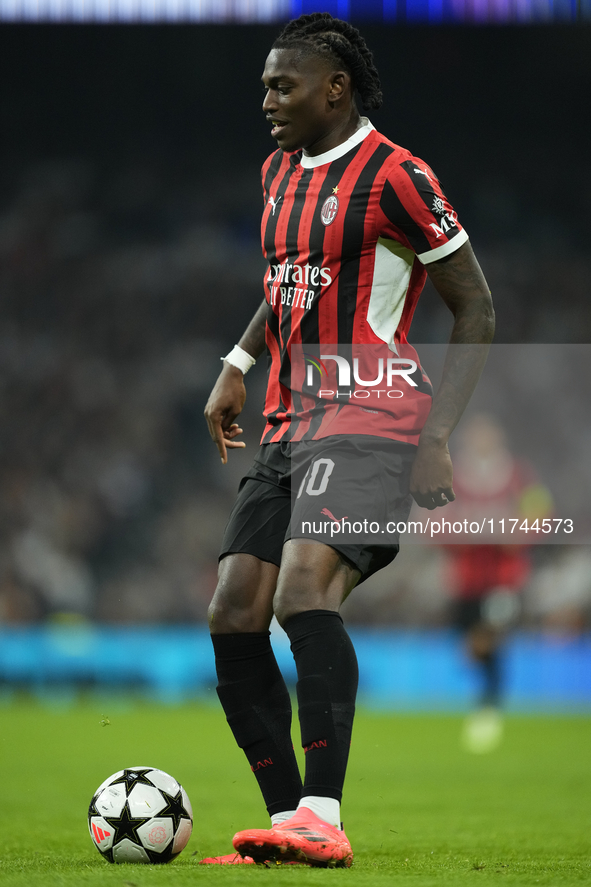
(330, 208)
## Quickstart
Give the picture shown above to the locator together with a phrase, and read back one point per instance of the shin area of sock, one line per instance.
(326, 689)
(257, 705)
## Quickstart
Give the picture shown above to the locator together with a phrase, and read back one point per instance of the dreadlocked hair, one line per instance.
(335, 40)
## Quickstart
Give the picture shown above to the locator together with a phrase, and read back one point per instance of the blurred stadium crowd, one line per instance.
(112, 502)
(118, 300)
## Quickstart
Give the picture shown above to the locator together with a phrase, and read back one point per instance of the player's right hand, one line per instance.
(225, 403)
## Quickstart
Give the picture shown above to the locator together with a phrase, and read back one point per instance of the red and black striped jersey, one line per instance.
(347, 235)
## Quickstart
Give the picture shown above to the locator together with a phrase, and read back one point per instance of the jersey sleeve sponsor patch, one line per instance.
(418, 213)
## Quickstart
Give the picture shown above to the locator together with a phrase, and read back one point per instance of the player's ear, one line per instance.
(339, 85)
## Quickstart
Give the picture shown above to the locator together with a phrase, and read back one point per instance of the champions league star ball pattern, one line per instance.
(140, 815)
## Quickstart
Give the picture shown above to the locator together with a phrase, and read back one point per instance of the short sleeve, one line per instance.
(416, 212)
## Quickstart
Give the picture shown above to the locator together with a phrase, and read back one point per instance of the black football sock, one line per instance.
(258, 709)
(326, 688)
(490, 666)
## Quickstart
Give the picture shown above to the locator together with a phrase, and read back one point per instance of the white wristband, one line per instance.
(240, 358)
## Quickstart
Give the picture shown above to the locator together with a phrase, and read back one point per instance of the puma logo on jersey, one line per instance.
(423, 172)
(274, 203)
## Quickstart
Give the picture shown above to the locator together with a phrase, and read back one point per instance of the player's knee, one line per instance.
(233, 610)
(297, 593)
(284, 609)
(223, 615)
(215, 616)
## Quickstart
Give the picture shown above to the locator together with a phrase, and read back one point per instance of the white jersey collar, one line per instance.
(320, 159)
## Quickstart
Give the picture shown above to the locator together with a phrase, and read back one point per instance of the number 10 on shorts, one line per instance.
(316, 478)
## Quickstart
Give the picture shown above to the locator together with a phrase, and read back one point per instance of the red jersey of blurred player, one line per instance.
(491, 484)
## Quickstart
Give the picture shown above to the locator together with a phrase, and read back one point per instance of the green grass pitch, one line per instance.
(417, 809)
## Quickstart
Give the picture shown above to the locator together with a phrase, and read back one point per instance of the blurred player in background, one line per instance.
(352, 224)
(485, 580)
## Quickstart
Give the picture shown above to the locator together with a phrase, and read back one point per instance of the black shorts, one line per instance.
(349, 492)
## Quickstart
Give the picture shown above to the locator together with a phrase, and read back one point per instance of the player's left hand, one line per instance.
(431, 478)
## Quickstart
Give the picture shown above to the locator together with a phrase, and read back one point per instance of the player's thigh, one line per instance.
(312, 576)
(252, 547)
(243, 599)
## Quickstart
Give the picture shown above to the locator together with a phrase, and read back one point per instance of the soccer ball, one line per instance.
(140, 815)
